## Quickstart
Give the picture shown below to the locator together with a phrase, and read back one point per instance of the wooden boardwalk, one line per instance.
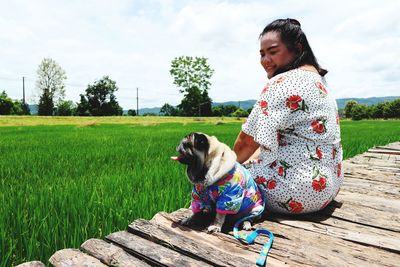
(360, 228)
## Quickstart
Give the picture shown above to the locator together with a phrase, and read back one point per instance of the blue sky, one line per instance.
(134, 42)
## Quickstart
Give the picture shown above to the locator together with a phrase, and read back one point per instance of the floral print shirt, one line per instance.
(235, 193)
(296, 123)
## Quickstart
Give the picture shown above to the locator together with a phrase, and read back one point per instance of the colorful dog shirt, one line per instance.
(237, 192)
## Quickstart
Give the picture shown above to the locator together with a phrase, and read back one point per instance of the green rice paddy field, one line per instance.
(63, 184)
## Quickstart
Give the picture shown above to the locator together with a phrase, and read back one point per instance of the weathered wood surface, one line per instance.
(32, 264)
(298, 244)
(110, 254)
(224, 249)
(155, 253)
(193, 248)
(73, 257)
(360, 228)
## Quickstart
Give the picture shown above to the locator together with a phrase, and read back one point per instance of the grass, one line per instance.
(90, 121)
(63, 184)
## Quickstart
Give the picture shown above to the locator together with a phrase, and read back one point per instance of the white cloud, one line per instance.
(134, 42)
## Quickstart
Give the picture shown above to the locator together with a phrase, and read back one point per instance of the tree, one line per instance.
(99, 99)
(6, 104)
(358, 112)
(50, 83)
(222, 110)
(217, 111)
(65, 108)
(46, 104)
(229, 109)
(205, 106)
(168, 110)
(392, 109)
(377, 112)
(82, 108)
(10, 107)
(348, 108)
(25, 108)
(193, 76)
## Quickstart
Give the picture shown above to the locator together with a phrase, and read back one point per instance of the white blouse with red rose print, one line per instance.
(296, 123)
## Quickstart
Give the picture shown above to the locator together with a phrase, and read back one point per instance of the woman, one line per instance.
(293, 127)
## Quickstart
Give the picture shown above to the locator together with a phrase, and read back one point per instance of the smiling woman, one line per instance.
(284, 46)
(294, 125)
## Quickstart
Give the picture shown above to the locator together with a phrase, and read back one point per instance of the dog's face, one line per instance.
(193, 151)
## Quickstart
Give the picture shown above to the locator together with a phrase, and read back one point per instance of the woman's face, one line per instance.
(274, 53)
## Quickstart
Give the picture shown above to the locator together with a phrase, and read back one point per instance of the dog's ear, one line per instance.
(220, 160)
(201, 142)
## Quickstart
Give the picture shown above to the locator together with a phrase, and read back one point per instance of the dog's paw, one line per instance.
(207, 180)
(246, 225)
(213, 229)
(187, 221)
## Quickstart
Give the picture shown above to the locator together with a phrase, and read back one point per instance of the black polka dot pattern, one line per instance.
(295, 121)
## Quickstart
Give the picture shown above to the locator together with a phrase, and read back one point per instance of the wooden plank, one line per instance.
(374, 202)
(31, 264)
(325, 250)
(389, 156)
(322, 224)
(387, 148)
(370, 173)
(384, 151)
(311, 248)
(155, 254)
(395, 145)
(375, 160)
(370, 188)
(227, 244)
(359, 165)
(365, 214)
(73, 258)
(110, 254)
(184, 245)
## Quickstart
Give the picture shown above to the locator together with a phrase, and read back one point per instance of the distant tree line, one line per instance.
(12, 107)
(386, 110)
(98, 100)
(217, 111)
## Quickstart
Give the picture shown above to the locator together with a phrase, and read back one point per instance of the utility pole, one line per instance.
(23, 90)
(137, 101)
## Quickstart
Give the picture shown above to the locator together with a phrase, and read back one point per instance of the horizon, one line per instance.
(248, 100)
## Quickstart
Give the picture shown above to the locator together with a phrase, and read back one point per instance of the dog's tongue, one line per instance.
(176, 157)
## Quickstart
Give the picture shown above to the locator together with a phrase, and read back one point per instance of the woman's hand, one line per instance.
(244, 147)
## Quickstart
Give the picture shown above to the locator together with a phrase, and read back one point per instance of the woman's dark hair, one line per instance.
(296, 41)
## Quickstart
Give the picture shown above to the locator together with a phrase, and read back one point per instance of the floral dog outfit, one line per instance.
(235, 193)
(296, 123)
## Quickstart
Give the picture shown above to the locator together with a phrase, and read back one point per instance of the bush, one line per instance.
(359, 112)
(240, 113)
(132, 112)
(65, 108)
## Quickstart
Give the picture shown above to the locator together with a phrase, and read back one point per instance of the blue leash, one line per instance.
(250, 238)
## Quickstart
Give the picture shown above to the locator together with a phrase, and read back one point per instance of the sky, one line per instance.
(134, 42)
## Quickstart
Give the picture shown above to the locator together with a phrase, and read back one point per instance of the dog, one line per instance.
(221, 186)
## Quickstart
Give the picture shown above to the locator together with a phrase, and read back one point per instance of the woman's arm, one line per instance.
(244, 147)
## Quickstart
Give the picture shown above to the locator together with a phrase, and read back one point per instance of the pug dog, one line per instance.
(221, 186)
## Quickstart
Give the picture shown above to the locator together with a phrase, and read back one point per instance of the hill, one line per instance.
(341, 102)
